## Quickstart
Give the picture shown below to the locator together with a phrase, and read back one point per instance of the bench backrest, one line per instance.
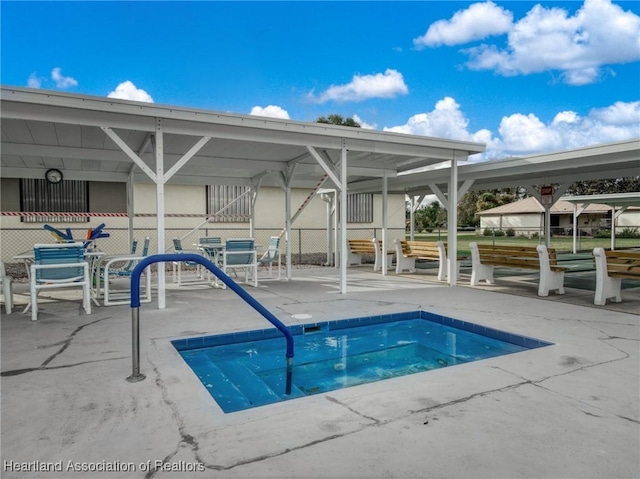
(423, 249)
(526, 256)
(362, 246)
(618, 261)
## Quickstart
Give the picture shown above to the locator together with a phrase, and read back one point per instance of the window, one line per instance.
(68, 196)
(360, 208)
(220, 198)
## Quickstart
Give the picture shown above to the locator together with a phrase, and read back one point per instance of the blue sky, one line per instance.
(521, 76)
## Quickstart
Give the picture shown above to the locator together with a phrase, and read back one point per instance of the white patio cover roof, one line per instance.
(609, 199)
(611, 160)
(104, 139)
(581, 203)
(47, 129)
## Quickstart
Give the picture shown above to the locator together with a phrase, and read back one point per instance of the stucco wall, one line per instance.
(17, 237)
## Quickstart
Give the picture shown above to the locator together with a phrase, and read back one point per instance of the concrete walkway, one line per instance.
(571, 410)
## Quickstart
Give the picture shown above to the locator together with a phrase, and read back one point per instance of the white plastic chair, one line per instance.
(272, 255)
(177, 265)
(241, 254)
(112, 297)
(7, 289)
(59, 266)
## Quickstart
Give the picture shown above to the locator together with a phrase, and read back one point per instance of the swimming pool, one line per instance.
(248, 369)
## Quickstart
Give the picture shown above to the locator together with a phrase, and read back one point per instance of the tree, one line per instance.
(336, 119)
(467, 209)
(615, 185)
(430, 217)
(474, 201)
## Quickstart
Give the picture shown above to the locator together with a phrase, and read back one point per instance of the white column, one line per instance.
(575, 228)
(287, 196)
(613, 228)
(159, 155)
(252, 214)
(343, 218)
(452, 223)
(130, 204)
(384, 223)
(547, 225)
(412, 218)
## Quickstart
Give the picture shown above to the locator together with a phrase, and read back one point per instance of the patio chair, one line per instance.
(241, 254)
(271, 256)
(211, 246)
(177, 265)
(123, 297)
(98, 272)
(7, 289)
(59, 266)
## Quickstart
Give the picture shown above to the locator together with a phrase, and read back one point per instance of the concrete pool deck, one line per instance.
(571, 410)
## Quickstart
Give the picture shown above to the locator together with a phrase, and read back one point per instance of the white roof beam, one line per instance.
(327, 167)
(45, 151)
(186, 157)
(130, 153)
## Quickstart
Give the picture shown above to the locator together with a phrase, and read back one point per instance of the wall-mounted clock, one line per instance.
(53, 176)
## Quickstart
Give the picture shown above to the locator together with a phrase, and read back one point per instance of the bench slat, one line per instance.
(507, 255)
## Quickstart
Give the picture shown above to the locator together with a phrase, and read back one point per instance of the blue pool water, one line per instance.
(248, 369)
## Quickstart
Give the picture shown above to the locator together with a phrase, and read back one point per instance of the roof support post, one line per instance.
(452, 222)
(577, 211)
(285, 180)
(287, 208)
(558, 191)
(130, 203)
(329, 198)
(343, 218)
(253, 189)
(385, 214)
(614, 217)
(159, 155)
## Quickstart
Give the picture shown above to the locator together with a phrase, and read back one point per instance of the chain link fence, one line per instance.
(309, 246)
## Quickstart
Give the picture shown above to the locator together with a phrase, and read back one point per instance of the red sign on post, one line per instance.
(546, 193)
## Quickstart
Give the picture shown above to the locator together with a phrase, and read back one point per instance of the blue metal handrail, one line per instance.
(231, 284)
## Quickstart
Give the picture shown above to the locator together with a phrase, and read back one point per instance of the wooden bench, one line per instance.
(358, 247)
(485, 258)
(611, 268)
(407, 252)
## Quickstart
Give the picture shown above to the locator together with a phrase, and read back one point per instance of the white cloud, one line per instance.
(381, 85)
(600, 33)
(364, 124)
(34, 81)
(478, 21)
(272, 111)
(524, 134)
(445, 121)
(62, 81)
(128, 91)
(566, 117)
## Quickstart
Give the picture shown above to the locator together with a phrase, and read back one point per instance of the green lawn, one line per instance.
(560, 243)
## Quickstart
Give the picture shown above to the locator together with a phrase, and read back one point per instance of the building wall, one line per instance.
(529, 223)
(107, 197)
(520, 223)
(17, 236)
(629, 219)
(10, 194)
